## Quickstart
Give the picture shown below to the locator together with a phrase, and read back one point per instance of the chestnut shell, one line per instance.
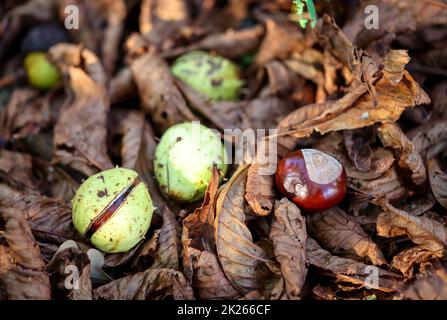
(292, 175)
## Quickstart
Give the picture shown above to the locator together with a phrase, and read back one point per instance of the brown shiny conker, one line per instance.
(312, 179)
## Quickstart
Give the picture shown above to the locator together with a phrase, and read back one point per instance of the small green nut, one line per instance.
(214, 76)
(184, 159)
(113, 209)
(42, 74)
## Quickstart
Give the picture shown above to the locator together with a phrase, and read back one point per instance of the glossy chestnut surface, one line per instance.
(312, 179)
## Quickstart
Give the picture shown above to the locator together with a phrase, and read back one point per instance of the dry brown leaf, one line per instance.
(161, 20)
(24, 114)
(381, 161)
(438, 181)
(281, 79)
(260, 193)
(152, 284)
(420, 205)
(18, 166)
(393, 137)
(394, 65)
(289, 238)
(387, 186)
(244, 263)
(439, 97)
(356, 109)
(430, 286)
(427, 233)
(122, 87)
(22, 270)
(341, 234)
(223, 114)
(430, 138)
(61, 185)
(266, 113)
(158, 95)
(208, 278)
(279, 42)
(357, 143)
(347, 270)
(169, 243)
(406, 260)
(50, 219)
(230, 44)
(198, 227)
(80, 132)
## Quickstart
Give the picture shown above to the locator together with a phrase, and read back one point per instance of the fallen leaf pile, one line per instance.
(373, 99)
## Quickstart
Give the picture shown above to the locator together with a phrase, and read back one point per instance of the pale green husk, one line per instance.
(214, 76)
(42, 74)
(129, 223)
(184, 159)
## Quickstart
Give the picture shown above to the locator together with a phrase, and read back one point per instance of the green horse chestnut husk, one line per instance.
(41, 73)
(216, 77)
(113, 209)
(184, 159)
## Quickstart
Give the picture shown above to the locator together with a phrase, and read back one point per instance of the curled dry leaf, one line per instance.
(430, 138)
(50, 219)
(24, 114)
(393, 137)
(438, 181)
(223, 114)
(22, 270)
(387, 186)
(394, 65)
(230, 44)
(198, 227)
(347, 270)
(244, 263)
(169, 243)
(122, 87)
(71, 258)
(357, 143)
(371, 98)
(279, 42)
(152, 284)
(430, 286)
(266, 113)
(281, 79)
(17, 166)
(355, 109)
(62, 185)
(289, 238)
(80, 132)
(340, 233)
(307, 64)
(160, 20)
(427, 233)
(405, 260)
(158, 95)
(380, 181)
(209, 280)
(201, 265)
(260, 192)
(420, 205)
